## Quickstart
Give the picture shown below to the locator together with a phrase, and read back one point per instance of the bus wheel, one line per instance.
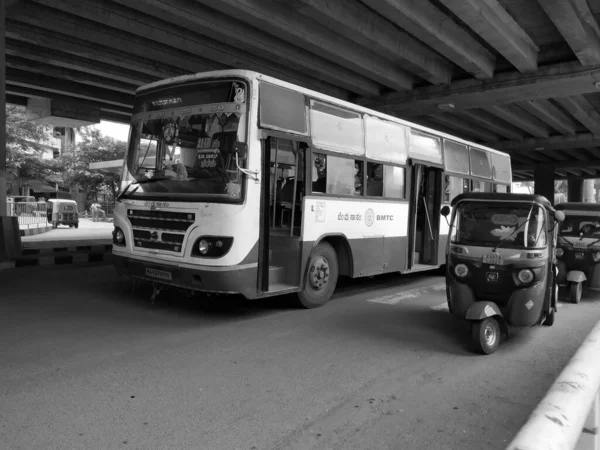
(321, 277)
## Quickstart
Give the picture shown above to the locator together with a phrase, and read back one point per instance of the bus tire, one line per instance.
(321, 277)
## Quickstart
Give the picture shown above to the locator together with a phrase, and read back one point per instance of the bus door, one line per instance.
(424, 225)
(283, 191)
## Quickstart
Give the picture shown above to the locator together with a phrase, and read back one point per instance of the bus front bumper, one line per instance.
(220, 280)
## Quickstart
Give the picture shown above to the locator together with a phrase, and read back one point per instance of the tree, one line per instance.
(24, 149)
(93, 147)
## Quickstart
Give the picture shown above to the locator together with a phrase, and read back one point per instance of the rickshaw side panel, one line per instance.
(522, 310)
(460, 296)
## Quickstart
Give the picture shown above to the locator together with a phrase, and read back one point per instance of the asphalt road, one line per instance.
(87, 231)
(382, 366)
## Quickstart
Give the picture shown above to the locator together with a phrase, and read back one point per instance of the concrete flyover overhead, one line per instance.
(522, 76)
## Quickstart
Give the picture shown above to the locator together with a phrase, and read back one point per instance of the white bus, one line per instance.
(236, 182)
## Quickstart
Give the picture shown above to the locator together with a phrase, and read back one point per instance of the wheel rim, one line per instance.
(489, 334)
(319, 273)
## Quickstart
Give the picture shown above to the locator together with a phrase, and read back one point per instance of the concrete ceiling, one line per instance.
(521, 76)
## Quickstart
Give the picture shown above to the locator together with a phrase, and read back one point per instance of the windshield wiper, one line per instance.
(137, 185)
(514, 232)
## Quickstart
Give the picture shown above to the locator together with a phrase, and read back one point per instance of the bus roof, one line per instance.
(317, 95)
(503, 197)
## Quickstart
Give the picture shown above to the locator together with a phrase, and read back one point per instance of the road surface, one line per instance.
(382, 366)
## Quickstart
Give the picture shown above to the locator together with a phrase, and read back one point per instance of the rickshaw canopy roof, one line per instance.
(579, 208)
(62, 200)
(497, 196)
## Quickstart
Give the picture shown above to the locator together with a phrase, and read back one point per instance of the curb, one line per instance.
(70, 255)
(34, 231)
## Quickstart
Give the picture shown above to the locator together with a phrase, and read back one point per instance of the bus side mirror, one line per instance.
(241, 149)
(559, 216)
(445, 210)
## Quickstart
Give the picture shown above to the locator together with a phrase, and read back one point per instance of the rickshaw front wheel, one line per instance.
(486, 335)
(575, 291)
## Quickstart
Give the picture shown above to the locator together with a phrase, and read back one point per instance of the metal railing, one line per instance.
(568, 418)
(29, 213)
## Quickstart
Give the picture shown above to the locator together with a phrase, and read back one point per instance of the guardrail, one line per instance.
(568, 418)
(28, 213)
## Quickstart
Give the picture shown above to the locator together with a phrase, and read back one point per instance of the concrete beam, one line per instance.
(68, 61)
(583, 111)
(16, 100)
(520, 119)
(75, 46)
(582, 140)
(459, 125)
(565, 79)
(254, 41)
(23, 91)
(489, 122)
(358, 23)
(16, 62)
(489, 19)
(569, 18)
(428, 24)
(187, 48)
(544, 110)
(298, 30)
(61, 86)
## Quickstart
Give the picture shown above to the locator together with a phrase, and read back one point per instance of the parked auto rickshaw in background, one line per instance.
(500, 267)
(63, 212)
(578, 252)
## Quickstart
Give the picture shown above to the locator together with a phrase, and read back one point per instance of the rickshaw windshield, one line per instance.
(513, 225)
(573, 226)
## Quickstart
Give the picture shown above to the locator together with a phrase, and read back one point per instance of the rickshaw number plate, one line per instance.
(580, 245)
(578, 255)
(492, 276)
(162, 274)
(492, 258)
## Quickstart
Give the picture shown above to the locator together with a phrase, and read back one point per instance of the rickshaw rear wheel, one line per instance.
(575, 291)
(486, 335)
(54, 225)
(549, 320)
(76, 225)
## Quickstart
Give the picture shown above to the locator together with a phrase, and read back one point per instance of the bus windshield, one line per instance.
(512, 225)
(188, 152)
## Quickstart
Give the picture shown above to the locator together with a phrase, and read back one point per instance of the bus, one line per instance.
(239, 183)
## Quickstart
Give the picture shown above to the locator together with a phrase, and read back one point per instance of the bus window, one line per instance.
(374, 180)
(393, 182)
(481, 186)
(358, 177)
(319, 172)
(454, 186)
(501, 188)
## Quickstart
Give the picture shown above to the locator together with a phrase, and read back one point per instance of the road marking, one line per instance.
(393, 299)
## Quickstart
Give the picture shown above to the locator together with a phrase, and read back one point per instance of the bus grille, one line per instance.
(159, 230)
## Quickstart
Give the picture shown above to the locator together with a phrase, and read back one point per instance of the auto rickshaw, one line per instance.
(500, 269)
(63, 212)
(578, 252)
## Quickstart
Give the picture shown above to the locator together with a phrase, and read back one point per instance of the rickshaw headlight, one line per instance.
(461, 270)
(526, 276)
(559, 252)
(596, 256)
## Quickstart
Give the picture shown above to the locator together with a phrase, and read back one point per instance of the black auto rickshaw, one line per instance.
(500, 267)
(63, 212)
(578, 252)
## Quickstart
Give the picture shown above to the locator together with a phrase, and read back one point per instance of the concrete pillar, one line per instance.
(588, 191)
(3, 211)
(575, 189)
(543, 177)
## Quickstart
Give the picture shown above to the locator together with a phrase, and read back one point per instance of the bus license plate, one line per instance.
(580, 244)
(492, 259)
(155, 273)
(578, 255)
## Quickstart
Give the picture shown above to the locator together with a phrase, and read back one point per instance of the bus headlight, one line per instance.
(118, 237)
(203, 246)
(212, 246)
(559, 252)
(526, 276)
(461, 270)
